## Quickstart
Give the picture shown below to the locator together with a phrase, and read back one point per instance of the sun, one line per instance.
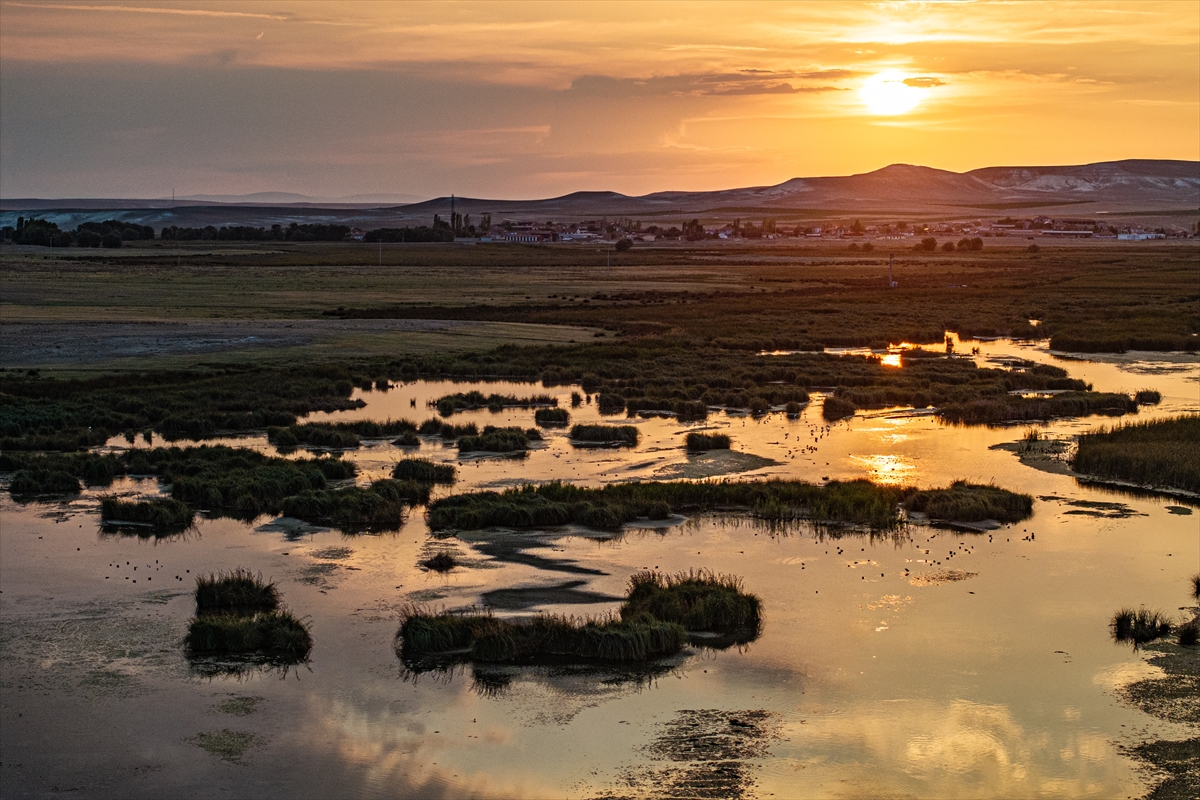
(887, 94)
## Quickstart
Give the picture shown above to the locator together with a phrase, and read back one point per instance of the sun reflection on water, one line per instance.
(887, 469)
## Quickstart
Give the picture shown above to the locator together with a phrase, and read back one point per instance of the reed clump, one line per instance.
(834, 408)
(1140, 626)
(406, 439)
(43, 481)
(697, 442)
(381, 507)
(699, 600)
(606, 434)
(971, 502)
(1161, 453)
(442, 562)
(1189, 633)
(1148, 397)
(551, 417)
(473, 400)
(160, 513)
(1195, 585)
(238, 591)
(422, 469)
(499, 440)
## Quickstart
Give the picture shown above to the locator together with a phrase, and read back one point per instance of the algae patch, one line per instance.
(226, 745)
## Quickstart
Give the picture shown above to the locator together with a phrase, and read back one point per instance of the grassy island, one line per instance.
(239, 614)
(1163, 453)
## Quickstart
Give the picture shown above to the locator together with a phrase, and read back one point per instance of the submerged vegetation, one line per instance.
(653, 622)
(971, 502)
(1161, 453)
(696, 442)
(606, 434)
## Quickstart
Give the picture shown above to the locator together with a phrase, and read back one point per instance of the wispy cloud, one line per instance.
(186, 12)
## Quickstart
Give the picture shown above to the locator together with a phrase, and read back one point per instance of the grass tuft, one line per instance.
(238, 591)
(1148, 397)
(1189, 633)
(699, 600)
(1139, 626)
(499, 440)
(697, 442)
(606, 434)
(442, 562)
(274, 633)
(422, 469)
(159, 513)
(971, 502)
(43, 481)
(551, 416)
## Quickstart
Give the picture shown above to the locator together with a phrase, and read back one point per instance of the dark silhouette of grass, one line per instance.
(435, 427)
(1189, 633)
(161, 513)
(835, 407)
(337, 434)
(551, 416)
(1195, 582)
(1139, 627)
(696, 442)
(469, 401)
(406, 439)
(606, 434)
(238, 591)
(422, 469)
(442, 562)
(1148, 397)
(43, 481)
(793, 409)
(971, 502)
(1160, 453)
(277, 633)
(608, 507)
(499, 440)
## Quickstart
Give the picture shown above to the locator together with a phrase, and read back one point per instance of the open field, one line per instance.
(1093, 295)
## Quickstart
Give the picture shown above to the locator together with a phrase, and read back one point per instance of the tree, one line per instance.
(948, 247)
(928, 244)
(868, 247)
(624, 245)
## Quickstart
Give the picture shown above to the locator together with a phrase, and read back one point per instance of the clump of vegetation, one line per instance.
(1139, 627)
(482, 637)
(442, 562)
(422, 469)
(275, 633)
(336, 435)
(835, 407)
(697, 600)
(1010, 408)
(551, 416)
(793, 409)
(1160, 453)
(43, 481)
(1148, 397)
(238, 614)
(606, 434)
(470, 401)
(355, 510)
(1195, 581)
(238, 591)
(1189, 633)
(697, 442)
(160, 513)
(499, 440)
(435, 427)
(608, 507)
(971, 502)
(406, 439)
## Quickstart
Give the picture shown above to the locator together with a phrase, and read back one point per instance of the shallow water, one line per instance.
(867, 681)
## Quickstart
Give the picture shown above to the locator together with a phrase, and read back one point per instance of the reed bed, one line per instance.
(160, 513)
(834, 408)
(353, 509)
(1161, 453)
(698, 442)
(424, 470)
(971, 502)
(435, 427)
(608, 507)
(699, 600)
(1140, 626)
(237, 613)
(547, 417)
(606, 434)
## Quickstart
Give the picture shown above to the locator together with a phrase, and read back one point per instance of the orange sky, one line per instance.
(124, 99)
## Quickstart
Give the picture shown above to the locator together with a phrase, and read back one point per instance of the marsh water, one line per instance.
(925, 663)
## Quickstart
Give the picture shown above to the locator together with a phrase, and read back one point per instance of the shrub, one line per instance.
(43, 481)
(697, 442)
(1189, 633)
(836, 408)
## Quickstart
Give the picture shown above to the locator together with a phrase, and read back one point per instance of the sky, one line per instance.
(537, 99)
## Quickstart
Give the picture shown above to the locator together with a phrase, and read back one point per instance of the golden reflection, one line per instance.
(887, 469)
(891, 360)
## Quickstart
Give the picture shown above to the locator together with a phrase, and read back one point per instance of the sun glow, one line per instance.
(887, 94)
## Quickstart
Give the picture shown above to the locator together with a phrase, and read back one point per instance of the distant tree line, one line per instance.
(418, 234)
(294, 232)
(109, 233)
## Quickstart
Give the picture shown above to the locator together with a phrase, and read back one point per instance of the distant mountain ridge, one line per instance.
(1134, 186)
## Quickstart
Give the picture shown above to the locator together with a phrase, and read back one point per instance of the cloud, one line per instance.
(189, 12)
(923, 83)
(725, 84)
